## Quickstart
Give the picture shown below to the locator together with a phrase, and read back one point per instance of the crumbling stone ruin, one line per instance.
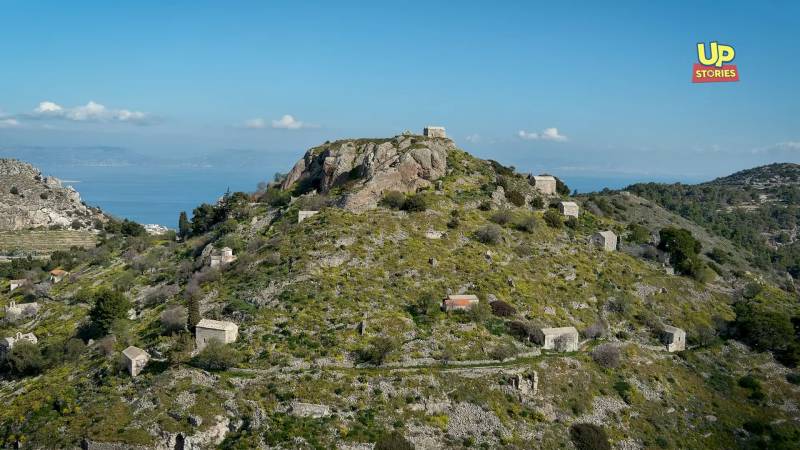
(674, 338)
(223, 257)
(135, 360)
(16, 311)
(563, 339)
(7, 343)
(606, 240)
(568, 209)
(434, 132)
(207, 329)
(545, 184)
(303, 215)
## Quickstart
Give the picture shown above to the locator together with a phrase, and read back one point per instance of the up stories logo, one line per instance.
(711, 67)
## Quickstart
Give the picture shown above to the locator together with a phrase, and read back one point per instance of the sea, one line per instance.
(158, 195)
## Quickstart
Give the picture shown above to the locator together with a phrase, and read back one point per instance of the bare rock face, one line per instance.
(30, 200)
(367, 168)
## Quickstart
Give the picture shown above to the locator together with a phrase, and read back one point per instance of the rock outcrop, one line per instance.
(30, 200)
(369, 167)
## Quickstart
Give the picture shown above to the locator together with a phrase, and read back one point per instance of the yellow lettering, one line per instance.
(701, 54)
(726, 54)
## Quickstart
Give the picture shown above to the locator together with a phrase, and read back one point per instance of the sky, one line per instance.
(570, 88)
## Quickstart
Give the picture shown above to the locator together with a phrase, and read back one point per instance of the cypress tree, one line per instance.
(183, 225)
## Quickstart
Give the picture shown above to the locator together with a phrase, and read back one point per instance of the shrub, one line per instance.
(553, 218)
(25, 358)
(537, 202)
(526, 223)
(749, 382)
(415, 203)
(216, 356)
(502, 309)
(393, 199)
(515, 197)
(501, 217)
(377, 351)
(606, 355)
(393, 441)
(624, 389)
(109, 306)
(503, 350)
(793, 378)
(454, 222)
(571, 222)
(174, 319)
(490, 234)
(44, 196)
(105, 345)
(479, 312)
(73, 349)
(485, 205)
(596, 330)
(131, 228)
(520, 329)
(276, 197)
(751, 290)
(587, 436)
(638, 234)
(14, 190)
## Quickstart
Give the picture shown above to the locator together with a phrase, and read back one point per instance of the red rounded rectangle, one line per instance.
(713, 74)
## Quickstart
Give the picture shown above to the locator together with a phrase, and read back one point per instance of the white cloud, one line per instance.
(473, 138)
(9, 123)
(90, 112)
(289, 123)
(787, 146)
(256, 123)
(548, 134)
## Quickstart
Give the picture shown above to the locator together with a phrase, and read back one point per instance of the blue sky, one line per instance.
(183, 79)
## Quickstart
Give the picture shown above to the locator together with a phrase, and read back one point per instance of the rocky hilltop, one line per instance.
(368, 168)
(30, 200)
(478, 309)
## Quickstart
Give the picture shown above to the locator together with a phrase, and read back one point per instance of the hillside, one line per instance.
(342, 341)
(756, 209)
(30, 200)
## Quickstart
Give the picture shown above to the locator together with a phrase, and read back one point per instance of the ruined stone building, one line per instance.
(15, 284)
(459, 302)
(569, 209)
(545, 184)
(207, 329)
(303, 215)
(135, 360)
(564, 339)
(7, 343)
(434, 132)
(16, 311)
(674, 338)
(606, 240)
(223, 257)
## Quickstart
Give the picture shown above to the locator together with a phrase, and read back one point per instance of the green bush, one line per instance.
(501, 217)
(587, 436)
(515, 197)
(377, 351)
(393, 199)
(537, 202)
(638, 234)
(489, 234)
(502, 309)
(276, 197)
(109, 306)
(393, 441)
(14, 190)
(25, 358)
(553, 218)
(216, 356)
(526, 223)
(415, 203)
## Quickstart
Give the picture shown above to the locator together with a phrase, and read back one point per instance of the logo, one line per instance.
(711, 67)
